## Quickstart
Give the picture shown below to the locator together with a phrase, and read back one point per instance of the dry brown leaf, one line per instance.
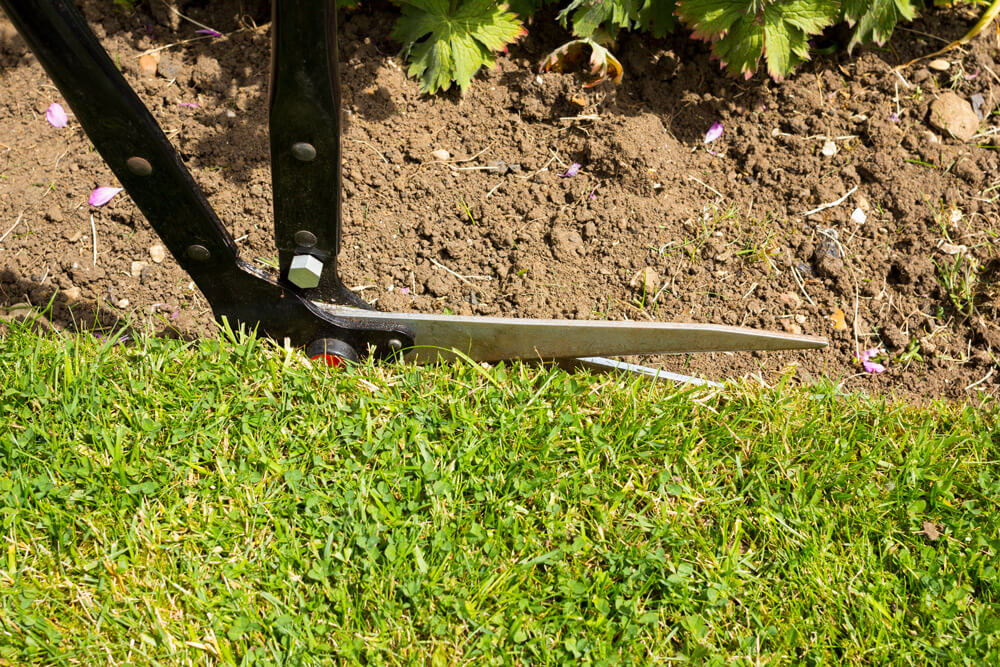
(838, 320)
(931, 531)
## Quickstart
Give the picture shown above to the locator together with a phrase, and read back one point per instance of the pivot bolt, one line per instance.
(303, 152)
(305, 238)
(198, 253)
(305, 271)
(139, 166)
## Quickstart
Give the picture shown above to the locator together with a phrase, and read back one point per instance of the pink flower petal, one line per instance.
(713, 133)
(189, 105)
(210, 32)
(870, 366)
(573, 170)
(102, 195)
(56, 115)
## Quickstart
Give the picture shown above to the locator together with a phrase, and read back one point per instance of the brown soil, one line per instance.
(724, 230)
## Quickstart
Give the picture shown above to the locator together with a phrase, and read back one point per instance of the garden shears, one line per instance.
(307, 304)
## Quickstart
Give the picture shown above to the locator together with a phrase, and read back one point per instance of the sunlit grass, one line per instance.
(193, 503)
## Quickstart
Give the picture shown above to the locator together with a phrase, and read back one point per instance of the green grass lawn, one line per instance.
(170, 503)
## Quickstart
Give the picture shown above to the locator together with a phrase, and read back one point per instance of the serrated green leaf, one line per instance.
(742, 32)
(657, 17)
(711, 19)
(741, 48)
(446, 44)
(809, 16)
(874, 21)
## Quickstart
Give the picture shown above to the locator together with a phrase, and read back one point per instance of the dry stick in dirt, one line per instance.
(309, 305)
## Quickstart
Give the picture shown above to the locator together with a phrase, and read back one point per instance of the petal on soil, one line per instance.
(56, 115)
(573, 170)
(713, 133)
(209, 31)
(102, 195)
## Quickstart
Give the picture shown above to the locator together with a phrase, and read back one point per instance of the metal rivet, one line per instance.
(139, 166)
(305, 238)
(395, 344)
(199, 253)
(303, 152)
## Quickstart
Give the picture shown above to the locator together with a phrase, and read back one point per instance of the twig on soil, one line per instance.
(59, 159)
(494, 189)
(922, 34)
(706, 185)
(170, 46)
(93, 234)
(992, 73)
(188, 18)
(458, 275)
(470, 159)
(906, 84)
(823, 207)
(371, 146)
(798, 279)
(12, 227)
(984, 379)
(481, 167)
(593, 116)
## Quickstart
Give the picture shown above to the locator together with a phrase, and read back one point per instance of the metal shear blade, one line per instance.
(499, 338)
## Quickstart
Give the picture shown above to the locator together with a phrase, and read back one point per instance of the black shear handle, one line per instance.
(127, 136)
(149, 168)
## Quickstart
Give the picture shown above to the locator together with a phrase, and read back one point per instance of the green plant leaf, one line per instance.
(742, 32)
(875, 19)
(657, 17)
(447, 43)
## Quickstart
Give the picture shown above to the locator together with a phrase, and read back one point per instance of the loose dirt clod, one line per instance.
(953, 115)
(647, 281)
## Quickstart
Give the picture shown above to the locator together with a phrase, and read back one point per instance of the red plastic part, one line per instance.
(331, 360)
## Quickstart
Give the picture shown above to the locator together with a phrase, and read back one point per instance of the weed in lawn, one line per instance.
(172, 502)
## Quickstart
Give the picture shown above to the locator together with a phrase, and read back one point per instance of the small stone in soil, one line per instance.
(977, 106)
(951, 114)
(829, 149)
(441, 154)
(157, 253)
(858, 217)
(136, 268)
(939, 65)
(147, 65)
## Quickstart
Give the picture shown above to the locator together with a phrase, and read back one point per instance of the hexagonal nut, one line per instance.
(305, 271)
